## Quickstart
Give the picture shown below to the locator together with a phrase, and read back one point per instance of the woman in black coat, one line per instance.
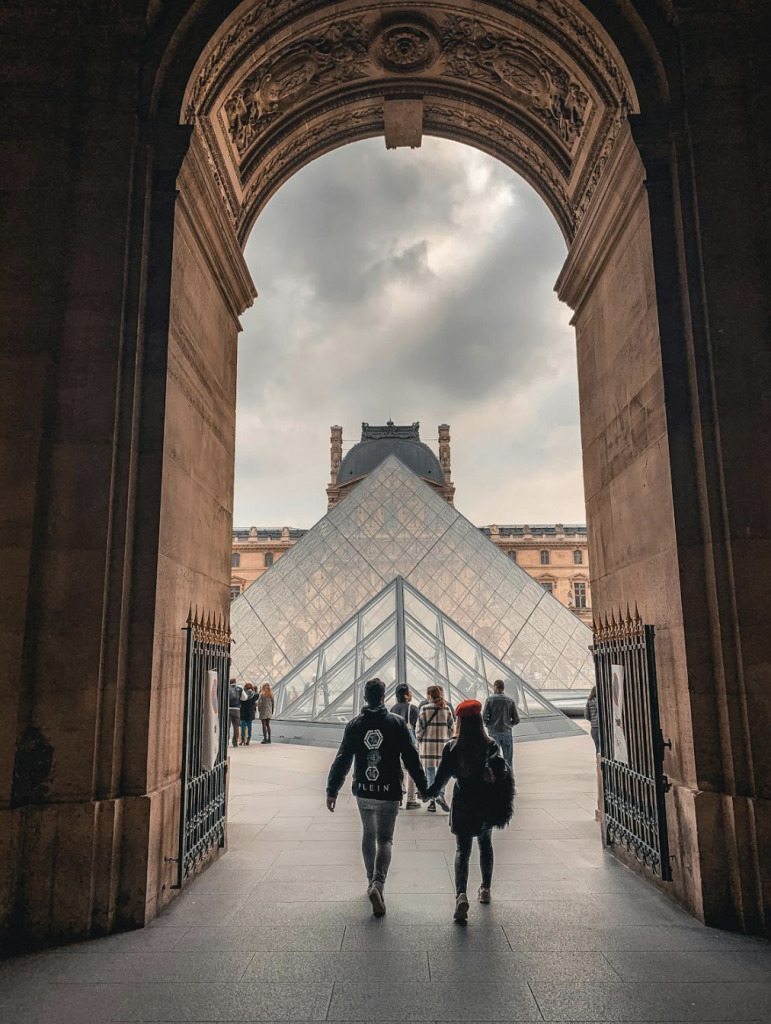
(483, 798)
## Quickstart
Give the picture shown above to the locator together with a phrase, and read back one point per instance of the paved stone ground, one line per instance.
(280, 929)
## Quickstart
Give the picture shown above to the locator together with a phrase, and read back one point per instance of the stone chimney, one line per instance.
(445, 461)
(335, 458)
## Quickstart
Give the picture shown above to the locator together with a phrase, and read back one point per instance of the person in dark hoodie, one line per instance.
(376, 741)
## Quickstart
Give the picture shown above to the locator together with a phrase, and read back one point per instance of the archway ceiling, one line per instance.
(532, 83)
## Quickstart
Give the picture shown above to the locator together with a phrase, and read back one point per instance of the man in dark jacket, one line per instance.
(405, 709)
(234, 710)
(376, 741)
(500, 716)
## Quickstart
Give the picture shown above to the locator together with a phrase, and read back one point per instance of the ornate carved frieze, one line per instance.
(472, 53)
(338, 55)
(595, 174)
(405, 45)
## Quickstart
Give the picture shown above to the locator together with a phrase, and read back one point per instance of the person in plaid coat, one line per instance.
(434, 730)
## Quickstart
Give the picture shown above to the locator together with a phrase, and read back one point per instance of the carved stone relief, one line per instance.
(338, 55)
(472, 53)
(405, 46)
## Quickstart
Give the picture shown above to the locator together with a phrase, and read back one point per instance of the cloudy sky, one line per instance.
(415, 285)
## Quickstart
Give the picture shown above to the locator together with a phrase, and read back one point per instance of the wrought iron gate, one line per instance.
(204, 741)
(631, 743)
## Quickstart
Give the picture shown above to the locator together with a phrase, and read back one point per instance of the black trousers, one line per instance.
(463, 846)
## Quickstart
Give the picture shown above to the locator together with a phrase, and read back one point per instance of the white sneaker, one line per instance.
(461, 908)
(376, 898)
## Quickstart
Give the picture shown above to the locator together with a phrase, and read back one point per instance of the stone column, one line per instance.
(445, 462)
(336, 457)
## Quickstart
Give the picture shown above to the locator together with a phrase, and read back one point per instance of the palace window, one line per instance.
(268, 559)
(578, 557)
(235, 560)
(513, 555)
(547, 585)
(544, 558)
(579, 595)
(234, 592)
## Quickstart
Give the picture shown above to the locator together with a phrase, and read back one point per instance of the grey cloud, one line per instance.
(393, 283)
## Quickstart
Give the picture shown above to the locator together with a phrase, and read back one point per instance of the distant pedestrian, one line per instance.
(483, 799)
(434, 730)
(265, 708)
(592, 714)
(248, 711)
(405, 709)
(377, 741)
(500, 716)
(234, 710)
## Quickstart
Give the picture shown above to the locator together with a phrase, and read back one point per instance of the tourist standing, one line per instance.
(405, 709)
(500, 716)
(377, 741)
(248, 711)
(592, 715)
(433, 731)
(234, 710)
(483, 799)
(265, 708)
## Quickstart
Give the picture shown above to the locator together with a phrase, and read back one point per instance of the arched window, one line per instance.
(578, 557)
(544, 558)
(268, 559)
(235, 560)
(513, 556)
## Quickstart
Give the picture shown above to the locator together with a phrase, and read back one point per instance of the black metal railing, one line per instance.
(631, 742)
(204, 742)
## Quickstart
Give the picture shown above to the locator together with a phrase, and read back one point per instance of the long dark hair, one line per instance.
(472, 744)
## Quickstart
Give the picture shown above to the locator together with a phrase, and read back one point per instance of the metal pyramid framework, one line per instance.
(392, 524)
(401, 636)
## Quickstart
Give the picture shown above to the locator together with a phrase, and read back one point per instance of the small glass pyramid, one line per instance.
(393, 524)
(400, 636)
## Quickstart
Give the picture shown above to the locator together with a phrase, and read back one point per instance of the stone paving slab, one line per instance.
(280, 929)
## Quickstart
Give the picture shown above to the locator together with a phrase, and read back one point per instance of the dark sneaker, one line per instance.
(484, 895)
(376, 898)
(443, 804)
(461, 908)
(432, 806)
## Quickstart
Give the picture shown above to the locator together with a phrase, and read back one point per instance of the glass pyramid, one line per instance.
(392, 524)
(399, 636)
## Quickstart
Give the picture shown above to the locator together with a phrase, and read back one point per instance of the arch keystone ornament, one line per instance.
(405, 45)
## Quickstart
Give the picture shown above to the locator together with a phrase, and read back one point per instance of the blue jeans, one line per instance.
(506, 742)
(431, 775)
(246, 730)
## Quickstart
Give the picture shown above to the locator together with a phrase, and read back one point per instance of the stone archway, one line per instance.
(603, 107)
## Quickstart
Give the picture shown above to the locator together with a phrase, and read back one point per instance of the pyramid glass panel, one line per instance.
(394, 525)
(393, 648)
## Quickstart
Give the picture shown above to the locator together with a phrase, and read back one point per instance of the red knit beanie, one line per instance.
(468, 708)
